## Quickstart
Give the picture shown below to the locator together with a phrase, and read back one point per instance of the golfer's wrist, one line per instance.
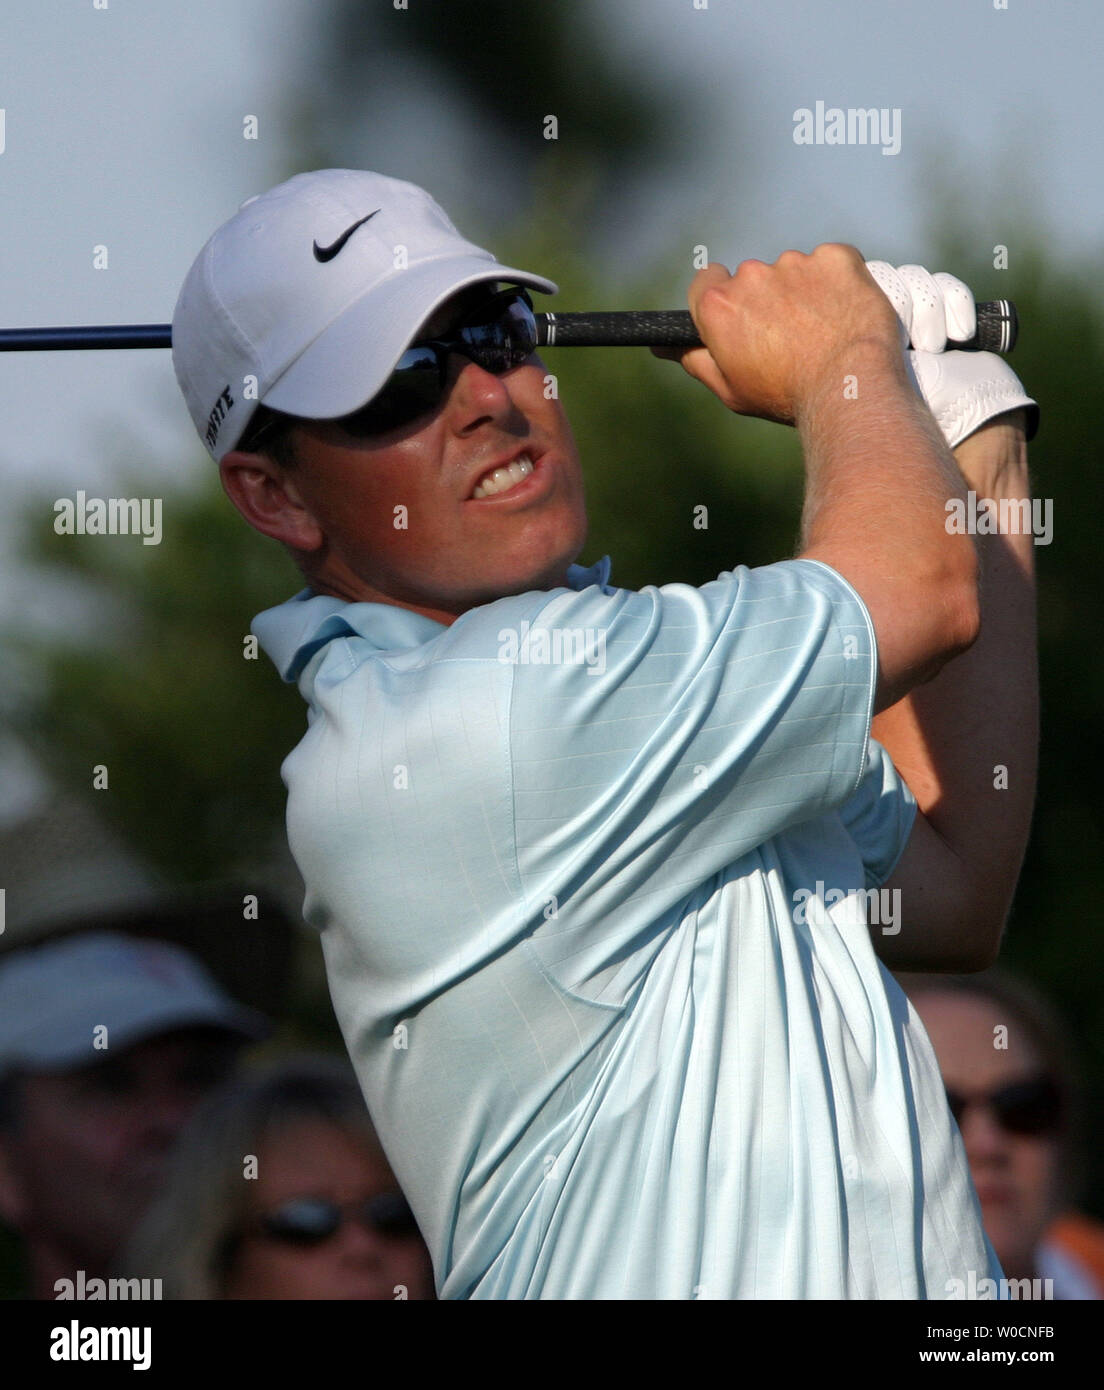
(993, 460)
(863, 373)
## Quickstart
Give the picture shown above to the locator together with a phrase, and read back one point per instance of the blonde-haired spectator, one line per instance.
(279, 1189)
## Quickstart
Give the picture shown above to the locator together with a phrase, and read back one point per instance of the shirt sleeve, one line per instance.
(880, 816)
(692, 725)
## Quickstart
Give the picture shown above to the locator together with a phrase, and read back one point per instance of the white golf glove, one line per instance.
(962, 389)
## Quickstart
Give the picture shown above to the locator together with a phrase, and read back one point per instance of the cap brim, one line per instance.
(69, 1047)
(349, 362)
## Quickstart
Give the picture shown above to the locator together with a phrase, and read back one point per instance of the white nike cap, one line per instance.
(305, 299)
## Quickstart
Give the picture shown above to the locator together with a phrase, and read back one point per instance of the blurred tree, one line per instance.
(162, 690)
(490, 104)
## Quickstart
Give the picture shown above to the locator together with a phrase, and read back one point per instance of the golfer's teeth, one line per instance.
(503, 478)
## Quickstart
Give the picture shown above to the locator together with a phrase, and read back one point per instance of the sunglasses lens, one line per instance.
(498, 334)
(413, 389)
(310, 1220)
(1025, 1108)
(1031, 1107)
(507, 339)
(304, 1221)
(390, 1215)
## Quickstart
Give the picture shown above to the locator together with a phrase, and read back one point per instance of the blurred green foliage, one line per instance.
(160, 691)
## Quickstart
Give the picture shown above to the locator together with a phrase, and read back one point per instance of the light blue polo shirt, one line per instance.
(586, 867)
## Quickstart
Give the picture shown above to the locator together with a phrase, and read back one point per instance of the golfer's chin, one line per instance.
(480, 576)
(541, 560)
(524, 578)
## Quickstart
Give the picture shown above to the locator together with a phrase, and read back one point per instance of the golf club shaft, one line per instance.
(674, 328)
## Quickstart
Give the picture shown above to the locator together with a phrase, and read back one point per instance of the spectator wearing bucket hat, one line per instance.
(107, 1042)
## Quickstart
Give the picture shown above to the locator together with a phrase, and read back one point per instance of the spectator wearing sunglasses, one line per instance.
(279, 1190)
(1011, 1081)
(557, 835)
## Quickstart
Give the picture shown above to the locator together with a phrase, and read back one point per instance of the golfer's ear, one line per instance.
(269, 500)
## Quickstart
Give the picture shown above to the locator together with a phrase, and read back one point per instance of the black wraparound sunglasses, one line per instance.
(309, 1221)
(499, 333)
(1032, 1107)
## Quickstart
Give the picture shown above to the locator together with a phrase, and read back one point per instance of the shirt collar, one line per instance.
(293, 632)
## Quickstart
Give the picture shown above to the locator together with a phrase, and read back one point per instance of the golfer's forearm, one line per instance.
(967, 742)
(879, 476)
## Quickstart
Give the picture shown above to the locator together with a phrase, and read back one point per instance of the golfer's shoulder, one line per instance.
(318, 640)
(779, 604)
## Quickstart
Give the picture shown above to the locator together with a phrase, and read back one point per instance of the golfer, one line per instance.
(608, 881)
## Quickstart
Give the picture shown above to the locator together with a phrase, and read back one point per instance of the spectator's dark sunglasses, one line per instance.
(1030, 1108)
(499, 333)
(312, 1220)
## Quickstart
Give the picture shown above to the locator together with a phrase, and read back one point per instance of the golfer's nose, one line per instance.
(477, 396)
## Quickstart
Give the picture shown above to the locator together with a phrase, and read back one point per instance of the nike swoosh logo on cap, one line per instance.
(327, 253)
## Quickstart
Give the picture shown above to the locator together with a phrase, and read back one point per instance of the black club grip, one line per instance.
(631, 328)
(997, 327)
